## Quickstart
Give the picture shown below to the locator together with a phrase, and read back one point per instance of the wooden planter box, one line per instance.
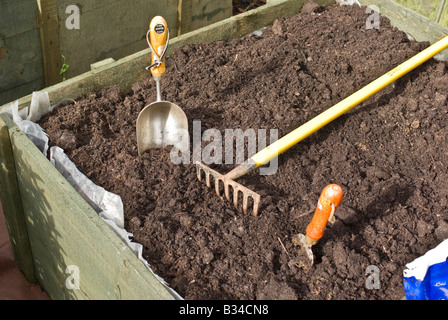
(52, 228)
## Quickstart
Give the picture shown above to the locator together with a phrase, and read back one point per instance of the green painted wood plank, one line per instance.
(21, 90)
(20, 51)
(418, 26)
(65, 232)
(22, 62)
(85, 6)
(50, 42)
(17, 17)
(444, 15)
(428, 8)
(195, 14)
(109, 29)
(12, 204)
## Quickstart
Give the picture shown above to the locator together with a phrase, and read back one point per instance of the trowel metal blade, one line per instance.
(306, 248)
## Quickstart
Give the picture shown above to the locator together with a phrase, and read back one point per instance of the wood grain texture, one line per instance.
(12, 202)
(65, 233)
(418, 26)
(50, 43)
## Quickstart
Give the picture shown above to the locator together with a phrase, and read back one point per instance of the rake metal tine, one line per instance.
(245, 198)
(226, 190)
(198, 173)
(235, 198)
(207, 179)
(256, 205)
(217, 186)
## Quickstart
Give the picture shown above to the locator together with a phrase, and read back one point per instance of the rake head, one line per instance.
(226, 185)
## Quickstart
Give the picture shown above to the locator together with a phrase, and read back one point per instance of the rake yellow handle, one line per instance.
(158, 35)
(292, 138)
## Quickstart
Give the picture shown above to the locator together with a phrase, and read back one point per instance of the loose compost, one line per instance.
(389, 154)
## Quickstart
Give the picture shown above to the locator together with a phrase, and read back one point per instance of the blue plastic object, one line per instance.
(433, 287)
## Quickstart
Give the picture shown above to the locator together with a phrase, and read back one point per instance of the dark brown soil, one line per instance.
(389, 154)
(240, 6)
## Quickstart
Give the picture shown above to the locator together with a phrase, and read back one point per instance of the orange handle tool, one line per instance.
(329, 201)
(157, 41)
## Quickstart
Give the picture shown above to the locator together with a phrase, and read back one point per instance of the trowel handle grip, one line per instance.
(158, 37)
(329, 201)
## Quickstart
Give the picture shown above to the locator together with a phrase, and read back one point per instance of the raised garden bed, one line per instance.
(388, 154)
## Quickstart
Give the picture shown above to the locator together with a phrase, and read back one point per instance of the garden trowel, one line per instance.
(160, 123)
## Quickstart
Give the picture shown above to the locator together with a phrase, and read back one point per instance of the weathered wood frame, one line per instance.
(113, 29)
(52, 228)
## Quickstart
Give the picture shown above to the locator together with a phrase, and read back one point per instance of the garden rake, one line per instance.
(297, 135)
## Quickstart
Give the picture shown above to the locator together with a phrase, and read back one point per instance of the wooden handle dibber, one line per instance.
(329, 201)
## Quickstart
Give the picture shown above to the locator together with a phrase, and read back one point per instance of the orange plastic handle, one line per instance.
(330, 196)
(158, 35)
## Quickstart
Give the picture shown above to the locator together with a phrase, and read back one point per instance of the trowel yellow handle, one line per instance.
(286, 142)
(158, 36)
